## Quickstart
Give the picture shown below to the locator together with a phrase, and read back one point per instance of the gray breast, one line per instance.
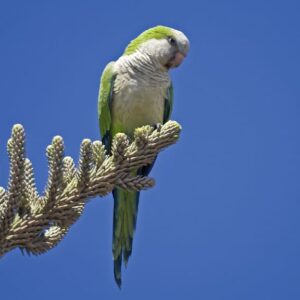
(139, 95)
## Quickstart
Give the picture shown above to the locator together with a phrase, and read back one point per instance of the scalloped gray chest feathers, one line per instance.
(139, 92)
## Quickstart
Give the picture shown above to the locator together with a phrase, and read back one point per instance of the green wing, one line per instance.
(168, 103)
(104, 104)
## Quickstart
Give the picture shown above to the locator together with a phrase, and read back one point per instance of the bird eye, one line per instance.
(172, 41)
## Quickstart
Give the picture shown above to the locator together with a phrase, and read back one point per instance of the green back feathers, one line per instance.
(158, 32)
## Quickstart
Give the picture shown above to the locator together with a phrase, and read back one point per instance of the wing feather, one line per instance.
(168, 103)
(104, 103)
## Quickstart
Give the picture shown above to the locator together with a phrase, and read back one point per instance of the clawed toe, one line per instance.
(158, 126)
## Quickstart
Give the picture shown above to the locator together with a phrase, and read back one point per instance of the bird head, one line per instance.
(166, 45)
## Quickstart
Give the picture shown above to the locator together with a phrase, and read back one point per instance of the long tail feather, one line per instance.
(117, 270)
(124, 223)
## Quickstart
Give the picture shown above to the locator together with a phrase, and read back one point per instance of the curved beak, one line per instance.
(179, 57)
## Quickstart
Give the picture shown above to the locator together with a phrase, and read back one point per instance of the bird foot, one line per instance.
(158, 127)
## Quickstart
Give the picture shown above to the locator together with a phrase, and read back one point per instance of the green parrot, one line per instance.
(136, 90)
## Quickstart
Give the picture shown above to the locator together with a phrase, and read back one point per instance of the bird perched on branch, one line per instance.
(136, 90)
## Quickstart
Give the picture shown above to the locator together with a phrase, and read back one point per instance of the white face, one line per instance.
(170, 51)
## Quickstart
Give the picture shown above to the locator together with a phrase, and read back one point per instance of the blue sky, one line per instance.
(223, 220)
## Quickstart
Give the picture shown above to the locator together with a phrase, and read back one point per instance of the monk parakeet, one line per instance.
(136, 90)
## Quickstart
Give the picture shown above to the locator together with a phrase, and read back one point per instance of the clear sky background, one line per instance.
(223, 221)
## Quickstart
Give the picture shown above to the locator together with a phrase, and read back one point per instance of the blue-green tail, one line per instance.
(124, 222)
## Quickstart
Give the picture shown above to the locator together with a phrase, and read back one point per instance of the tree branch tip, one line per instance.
(38, 223)
(86, 142)
(121, 137)
(120, 143)
(17, 127)
(144, 130)
(97, 143)
(57, 139)
(174, 124)
(67, 159)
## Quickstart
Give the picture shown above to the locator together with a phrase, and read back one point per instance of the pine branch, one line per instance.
(37, 223)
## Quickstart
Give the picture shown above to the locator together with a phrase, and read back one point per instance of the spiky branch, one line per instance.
(37, 223)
